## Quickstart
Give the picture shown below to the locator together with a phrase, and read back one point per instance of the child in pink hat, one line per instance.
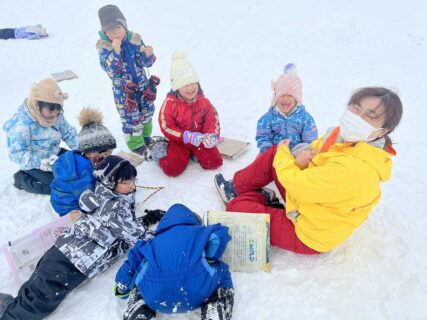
(287, 117)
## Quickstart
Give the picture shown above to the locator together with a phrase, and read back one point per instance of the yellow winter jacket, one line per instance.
(333, 196)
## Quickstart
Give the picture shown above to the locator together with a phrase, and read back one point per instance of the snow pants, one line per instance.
(218, 306)
(179, 155)
(34, 181)
(54, 277)
(8, 33)
(246, 183)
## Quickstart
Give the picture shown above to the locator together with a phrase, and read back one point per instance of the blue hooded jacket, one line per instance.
(180, 268)
(73, 175)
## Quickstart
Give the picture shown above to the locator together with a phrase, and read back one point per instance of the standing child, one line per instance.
(100, 236)
(34, 134)
(190, 122)
(179, 270)
(123, 56)
(287, 117)
(73, 170)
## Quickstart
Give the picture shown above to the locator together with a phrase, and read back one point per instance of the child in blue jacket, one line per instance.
(287, 117)
(178, 270)
(73, 170)
(34, 134)
(123, 56)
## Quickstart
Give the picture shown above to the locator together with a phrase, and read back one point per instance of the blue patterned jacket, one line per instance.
(180, 267)
(123, 68)
(273, 127)
(28, 142)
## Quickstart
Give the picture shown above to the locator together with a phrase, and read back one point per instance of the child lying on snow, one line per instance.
(100, 236)
(179, 270)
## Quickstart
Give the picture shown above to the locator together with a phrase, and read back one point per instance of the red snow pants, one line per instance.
(252, 178)
(179, 154)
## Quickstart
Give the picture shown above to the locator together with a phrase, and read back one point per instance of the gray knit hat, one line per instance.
(110, 17)
(94, 136)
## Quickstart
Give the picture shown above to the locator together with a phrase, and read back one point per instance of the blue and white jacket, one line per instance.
(273, 127)
(28, 142)
(179, 268)
(73, 174)
(123, 68)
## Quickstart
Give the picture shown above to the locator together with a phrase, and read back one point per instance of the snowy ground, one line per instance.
(237, 47)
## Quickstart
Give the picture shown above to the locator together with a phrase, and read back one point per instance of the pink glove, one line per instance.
(210, 140)
(195, 138)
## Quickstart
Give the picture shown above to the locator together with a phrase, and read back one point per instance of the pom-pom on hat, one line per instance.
(287, 84)
(106, 170)
(110, 17)
(94, 136)
(182, 72)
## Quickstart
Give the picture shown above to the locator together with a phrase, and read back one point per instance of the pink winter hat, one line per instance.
(287, 84)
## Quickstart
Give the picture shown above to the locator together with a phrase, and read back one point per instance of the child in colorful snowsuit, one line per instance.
(190, 122)
(34, 134)
(29, 32)
(73, 170)
(101, 235)
(179, 270)
(287, 117)
(123, 56)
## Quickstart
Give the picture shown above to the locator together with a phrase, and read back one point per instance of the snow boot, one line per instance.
(144, 152)
(5, 300)
(219, 306)
(225, 188)
(158, 147)
(136, 308)
(17, 180)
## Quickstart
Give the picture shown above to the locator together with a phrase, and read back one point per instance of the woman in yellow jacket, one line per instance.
(331, 185)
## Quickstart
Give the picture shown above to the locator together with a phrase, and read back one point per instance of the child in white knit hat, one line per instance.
(287, 117)
(190, 122)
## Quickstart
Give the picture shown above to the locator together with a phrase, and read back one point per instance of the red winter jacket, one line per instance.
(178, 115)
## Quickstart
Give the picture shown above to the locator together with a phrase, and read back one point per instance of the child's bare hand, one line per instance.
(303, 158)
(74, 215)
(148, 51)
(284, 142)
(116, 45)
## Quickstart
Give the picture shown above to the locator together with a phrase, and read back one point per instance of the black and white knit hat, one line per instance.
(94, 136)
(106, 170)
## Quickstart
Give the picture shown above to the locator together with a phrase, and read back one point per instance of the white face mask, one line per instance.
(353, 128)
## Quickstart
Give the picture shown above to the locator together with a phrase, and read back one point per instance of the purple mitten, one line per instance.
(210, 140)
(195, 138)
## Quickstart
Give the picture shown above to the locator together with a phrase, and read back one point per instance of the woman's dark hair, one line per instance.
(389, 99)
(125, 173)
(51, 106)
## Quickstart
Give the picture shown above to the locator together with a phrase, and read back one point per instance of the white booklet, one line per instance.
(249, 248)
(23, 254)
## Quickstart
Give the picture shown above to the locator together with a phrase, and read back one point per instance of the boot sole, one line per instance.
(218, 188)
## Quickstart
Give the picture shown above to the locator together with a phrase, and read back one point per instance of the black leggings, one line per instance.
(8, 33)
(54, 277)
